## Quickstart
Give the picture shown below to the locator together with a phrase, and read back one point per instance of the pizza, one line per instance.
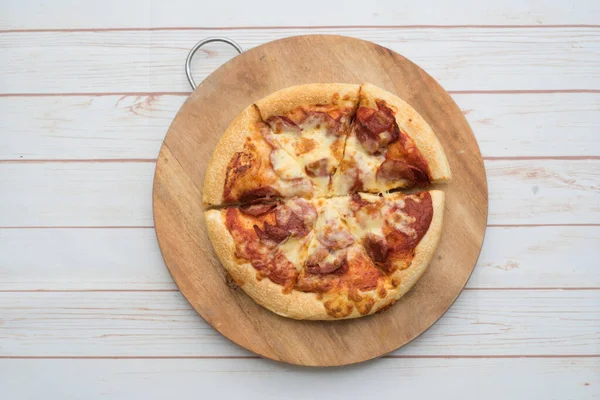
(318, 202)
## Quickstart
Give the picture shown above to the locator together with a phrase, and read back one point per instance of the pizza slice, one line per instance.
(245, 168)
(311, 123)
(390, 146)
(367, 251)
(328, 258)
(263, 246)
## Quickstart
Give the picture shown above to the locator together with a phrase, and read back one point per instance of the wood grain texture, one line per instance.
(493, 379)
(156, 324)
(38, 14)
(133, 127)
(152, 61)
(521, 192)
(129, 259)
(182, 235)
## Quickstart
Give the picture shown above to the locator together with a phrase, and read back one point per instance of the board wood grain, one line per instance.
(178, 213)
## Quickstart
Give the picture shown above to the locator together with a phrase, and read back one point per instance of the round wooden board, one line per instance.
(179, 218)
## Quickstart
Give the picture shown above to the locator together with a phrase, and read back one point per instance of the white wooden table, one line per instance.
(87, 307)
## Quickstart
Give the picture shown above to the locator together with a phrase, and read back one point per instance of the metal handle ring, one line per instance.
(188, 61)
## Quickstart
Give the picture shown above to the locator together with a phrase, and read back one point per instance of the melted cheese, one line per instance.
(292, 143)
(400, 221)
(296, 249)
(368, 165)
(285, 166)
(301, 188)
(362, 222)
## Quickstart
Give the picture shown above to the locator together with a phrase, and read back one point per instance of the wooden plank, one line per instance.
(86, 127)
(122, 126)
(543, 192)
(119, 193)
(539, 378)
(480, 323)
(525, 125)
(152, 61)
(129, 259)
(82, 259)
(547, 256)
(137, 13)
(76, 194)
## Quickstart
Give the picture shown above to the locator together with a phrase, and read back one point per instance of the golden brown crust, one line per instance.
(231, 142)
(413, 124)
(285, 100)
(266, 293)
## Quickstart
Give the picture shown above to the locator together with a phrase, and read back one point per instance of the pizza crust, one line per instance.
(264, 292)
(232, 141)
(413, 124)
(285, 100)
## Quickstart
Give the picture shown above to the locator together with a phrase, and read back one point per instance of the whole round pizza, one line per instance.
(318, 203)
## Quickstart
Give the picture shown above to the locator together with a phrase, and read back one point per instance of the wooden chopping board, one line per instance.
(179, 219)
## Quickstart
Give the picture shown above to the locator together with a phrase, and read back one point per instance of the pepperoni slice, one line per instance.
(376, 247)
(315, 118)
(261, 193)
(321, 266)
(256, 210)
(392, 170)
(376, 121)
(271, 234)
(334, 236)
(375, 129)
(324, 268)
(304, 209)
(296, 218)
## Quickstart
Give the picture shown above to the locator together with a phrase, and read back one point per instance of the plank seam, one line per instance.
(252, 357)
(234, 28)
(152, 226)
(153, 160)
(500, 289)
(160, 93)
